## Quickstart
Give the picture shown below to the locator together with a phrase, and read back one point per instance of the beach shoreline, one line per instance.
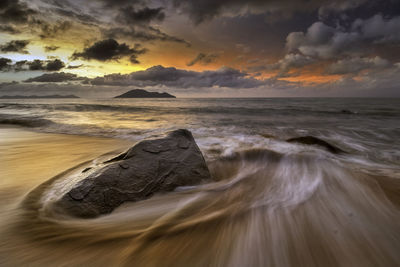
(28, 158)
(272, 202)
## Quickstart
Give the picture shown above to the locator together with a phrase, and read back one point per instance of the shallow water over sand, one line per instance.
(272, 203)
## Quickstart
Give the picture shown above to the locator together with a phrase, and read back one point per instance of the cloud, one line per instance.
(75, 15)
(21, 65)
(291, 61)
(13, 11)
(5, 63)
(379, 29)
(55, 78)
(8, 29)
(70, 67)
(110, 49)
(287, 63)
(50, 31)
(203, 59)
(178, 78)
(145, 15)
(200, 11)
(54, 65)
(355, 65)
(323, 41)
(119, 3)
(335, 7)
(7, 84)
(34, 65)
(381, 84)
(17, 46)
(147, 33)
(50, 48)
(244, 48)
(222, 83)
(134, 22)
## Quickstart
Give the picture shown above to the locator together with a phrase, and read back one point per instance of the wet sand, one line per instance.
(28, 158)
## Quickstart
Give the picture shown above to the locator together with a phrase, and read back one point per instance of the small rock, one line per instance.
(311, 140)
(86, 169)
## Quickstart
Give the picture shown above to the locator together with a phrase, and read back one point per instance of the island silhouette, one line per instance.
(140, 93)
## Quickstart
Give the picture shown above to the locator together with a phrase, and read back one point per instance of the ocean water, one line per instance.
(369, 128)
(272, 203)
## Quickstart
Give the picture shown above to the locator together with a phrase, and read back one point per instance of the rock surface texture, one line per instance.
(149, 167)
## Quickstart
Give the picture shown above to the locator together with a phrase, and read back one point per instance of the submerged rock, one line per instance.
(311, 140)
(347, 111)
(150, 167)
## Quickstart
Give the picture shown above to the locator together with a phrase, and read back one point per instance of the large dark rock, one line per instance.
(311, 140)
(151, 166)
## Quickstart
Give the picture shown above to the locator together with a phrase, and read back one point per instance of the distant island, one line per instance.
(140, 93)
(36, 96)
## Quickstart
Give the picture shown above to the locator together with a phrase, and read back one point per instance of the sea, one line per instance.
(272, 202)
(368, 128)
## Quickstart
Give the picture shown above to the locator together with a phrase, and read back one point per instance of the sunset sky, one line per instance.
(209, 48)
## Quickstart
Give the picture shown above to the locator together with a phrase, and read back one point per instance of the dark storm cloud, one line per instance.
(323, 41)
(35, 65)
(6, 3)
(119, 3)
(75, 15)
(14, 11)
(9, 29)
(52, 30)
(200, 11)
(339, 7)
(69, 10)
(17, 46)
(378, 28)
(178, 78)
(145, 15)
(54, 65)
(20, 65)
(134, 21)
(55, 77)
(110, 49)
(203, 59)
(50, 48)
(5, 63)
(142, 34)
(57, 3)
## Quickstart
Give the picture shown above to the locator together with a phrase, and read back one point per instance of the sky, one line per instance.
(208, 48)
